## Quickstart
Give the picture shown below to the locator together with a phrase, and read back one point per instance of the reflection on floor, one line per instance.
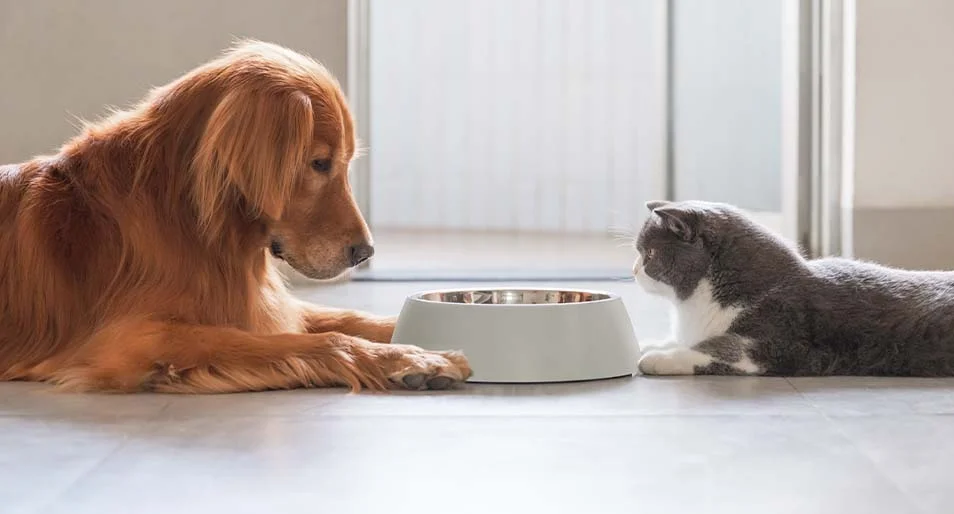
(701, 445)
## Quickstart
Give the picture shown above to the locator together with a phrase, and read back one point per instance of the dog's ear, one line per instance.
(254, 146)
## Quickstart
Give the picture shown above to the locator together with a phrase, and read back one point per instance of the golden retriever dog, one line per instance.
(138, 257)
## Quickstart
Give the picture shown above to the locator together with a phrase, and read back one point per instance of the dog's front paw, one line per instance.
(412, 368)
(672, 361)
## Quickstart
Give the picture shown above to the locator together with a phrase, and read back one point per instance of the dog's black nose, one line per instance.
(360, 253)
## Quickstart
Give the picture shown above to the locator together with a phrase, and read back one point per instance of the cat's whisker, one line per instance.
(628, 237)
(621, 231)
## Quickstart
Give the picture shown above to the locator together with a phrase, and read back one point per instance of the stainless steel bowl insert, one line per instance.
(513, 297)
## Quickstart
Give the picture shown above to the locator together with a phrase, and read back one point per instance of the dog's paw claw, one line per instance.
(440, 382)
(414, 381)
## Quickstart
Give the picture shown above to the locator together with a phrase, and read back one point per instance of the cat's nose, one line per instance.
(637, 265)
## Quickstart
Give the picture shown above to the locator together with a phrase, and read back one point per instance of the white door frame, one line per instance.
(836, 85)
(817, 89)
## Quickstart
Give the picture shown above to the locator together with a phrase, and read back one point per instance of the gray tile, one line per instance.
(40, 457)
(490, 464)
(860, 396)
(31, 399)
(617, 397)
(914, 451)
(265, 404)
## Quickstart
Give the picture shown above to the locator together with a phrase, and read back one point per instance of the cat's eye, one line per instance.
(321, 165)
(649, 253)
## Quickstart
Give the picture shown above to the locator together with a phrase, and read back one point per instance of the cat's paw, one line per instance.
(672, 361)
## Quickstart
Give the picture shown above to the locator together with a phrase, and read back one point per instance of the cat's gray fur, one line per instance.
(798, 316)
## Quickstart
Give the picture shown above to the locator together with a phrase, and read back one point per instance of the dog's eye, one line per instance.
(322, 165)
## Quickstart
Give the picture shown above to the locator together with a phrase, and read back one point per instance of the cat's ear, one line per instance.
(652, 205)
(682, 221)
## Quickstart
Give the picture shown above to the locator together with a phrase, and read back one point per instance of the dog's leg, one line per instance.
(142, 355)
(319, 319)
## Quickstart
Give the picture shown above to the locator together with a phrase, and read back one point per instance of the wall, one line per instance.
(727, 87)
(63, 59)
(904, 133)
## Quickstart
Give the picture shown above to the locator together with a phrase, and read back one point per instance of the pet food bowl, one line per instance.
(525, 335)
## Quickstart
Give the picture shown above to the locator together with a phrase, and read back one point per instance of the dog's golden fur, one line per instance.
(137, 258)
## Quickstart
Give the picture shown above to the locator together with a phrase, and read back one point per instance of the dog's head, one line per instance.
(277, 146)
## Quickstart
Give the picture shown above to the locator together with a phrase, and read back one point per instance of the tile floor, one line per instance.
(700, 445)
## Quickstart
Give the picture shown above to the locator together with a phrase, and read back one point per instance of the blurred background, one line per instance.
(523, 135)
(520, 138)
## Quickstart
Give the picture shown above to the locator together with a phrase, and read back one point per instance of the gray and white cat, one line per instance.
(747, 303)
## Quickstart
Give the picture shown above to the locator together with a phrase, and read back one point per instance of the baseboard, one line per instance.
(911, 238)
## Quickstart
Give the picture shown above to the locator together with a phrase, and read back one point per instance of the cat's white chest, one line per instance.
(700, 317)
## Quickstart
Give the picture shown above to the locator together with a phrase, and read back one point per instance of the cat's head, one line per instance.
(683, 243)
